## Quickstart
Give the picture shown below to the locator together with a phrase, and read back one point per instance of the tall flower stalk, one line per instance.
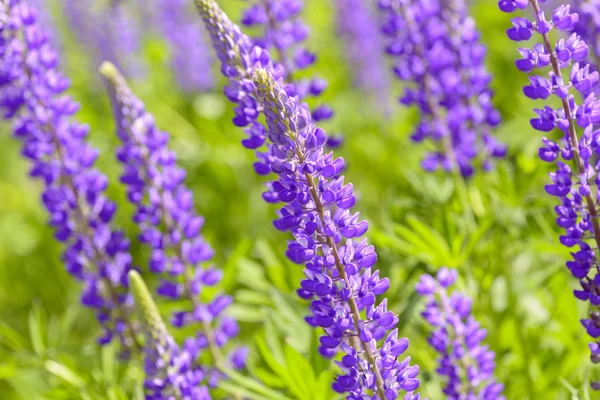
(364, 43)
(467, 364)
(335, 272)
(438, 53)
(170, 370)
(575, 181)
(339, 277)
(169, 226)
(32, 95)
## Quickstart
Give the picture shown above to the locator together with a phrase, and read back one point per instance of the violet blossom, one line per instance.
(467, 364)
(338, 264)
(169, 225)
(32, 95)
(560, 70)
(438, 54)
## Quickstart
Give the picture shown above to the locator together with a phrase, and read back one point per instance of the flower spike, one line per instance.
(32, 95)
(169, 226)
(338, 264)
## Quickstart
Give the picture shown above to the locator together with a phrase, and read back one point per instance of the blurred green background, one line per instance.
(511, 262)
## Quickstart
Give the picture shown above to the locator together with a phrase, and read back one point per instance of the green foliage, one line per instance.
(509, 257)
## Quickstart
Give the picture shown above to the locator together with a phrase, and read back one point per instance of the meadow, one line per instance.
(497, 228)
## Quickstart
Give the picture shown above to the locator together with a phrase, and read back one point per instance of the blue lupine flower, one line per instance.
(467, 364)
(109, 33)
(439, 55)
(338, 263)
(168, 223)
(32, 95)
(588, 27)
(575, 182)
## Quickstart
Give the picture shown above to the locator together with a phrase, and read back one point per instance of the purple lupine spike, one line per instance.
(32, 94)
(108, 33)
(588, 27)
(575, 182)
(171, 371)
(364, 44)
(327, 240)
(168, 223)
(283, 35)
(191, 59)
(467, 364)
(437, 48)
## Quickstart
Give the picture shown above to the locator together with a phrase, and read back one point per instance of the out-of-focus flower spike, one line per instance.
(364, 49)
(438, 52)
(108, 32)
(338, 263)
(168, 224)
(588, 27)
(575, 181)
(467, 364)
(191, 59)
(171, 372)
(32, 95)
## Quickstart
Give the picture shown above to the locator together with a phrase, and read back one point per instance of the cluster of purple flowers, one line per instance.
(171, 372)
(168, 224)
(317, 210)
(575, 182)
(339, 278)
(588, 27)
(464, 361)
(283, 36)
(364, 44)
(437, 48)
(32, 96)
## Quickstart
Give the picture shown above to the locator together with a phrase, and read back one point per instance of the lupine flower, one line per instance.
(467, 364)
(190, 59)
(436, 45)
(364, 369)
(46, 20)
(327, 239)
(171, 372)
(364, 43)
(283, 36)
(32, 95)
(167, 222)
(108, 33)
(575, 182)
(589, 27)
